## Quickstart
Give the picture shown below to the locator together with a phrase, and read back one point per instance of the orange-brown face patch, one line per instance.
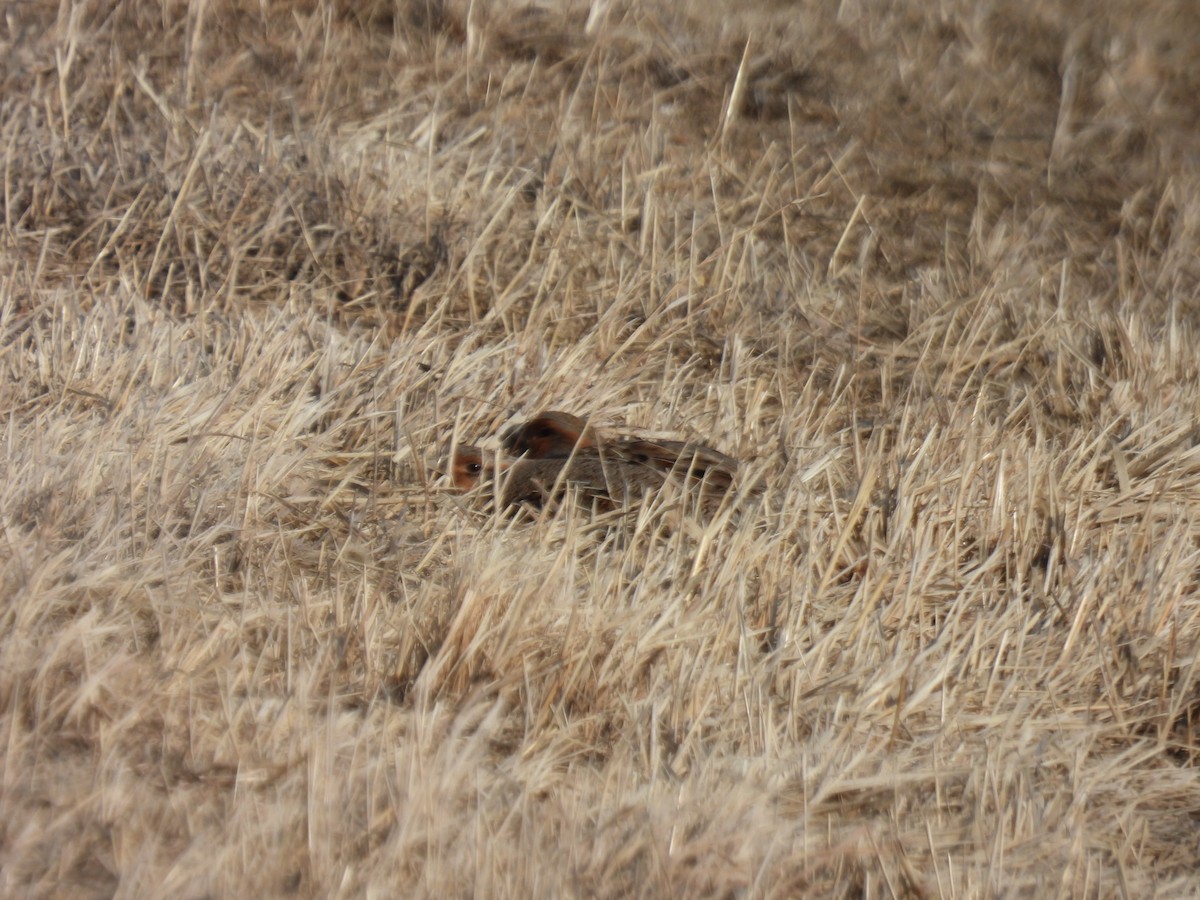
(469, 467)
(549, 435)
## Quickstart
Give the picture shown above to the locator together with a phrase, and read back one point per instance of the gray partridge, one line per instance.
(613, 482)
(554, 434)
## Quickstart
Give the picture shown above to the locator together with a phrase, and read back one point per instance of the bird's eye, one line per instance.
(474, 468)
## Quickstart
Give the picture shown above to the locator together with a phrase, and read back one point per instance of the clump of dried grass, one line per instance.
(930, 273)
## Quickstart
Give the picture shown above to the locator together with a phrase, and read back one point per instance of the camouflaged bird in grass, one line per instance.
(614, 482)
(554, 434)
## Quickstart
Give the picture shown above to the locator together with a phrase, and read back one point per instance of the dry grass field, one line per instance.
(929, 269)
